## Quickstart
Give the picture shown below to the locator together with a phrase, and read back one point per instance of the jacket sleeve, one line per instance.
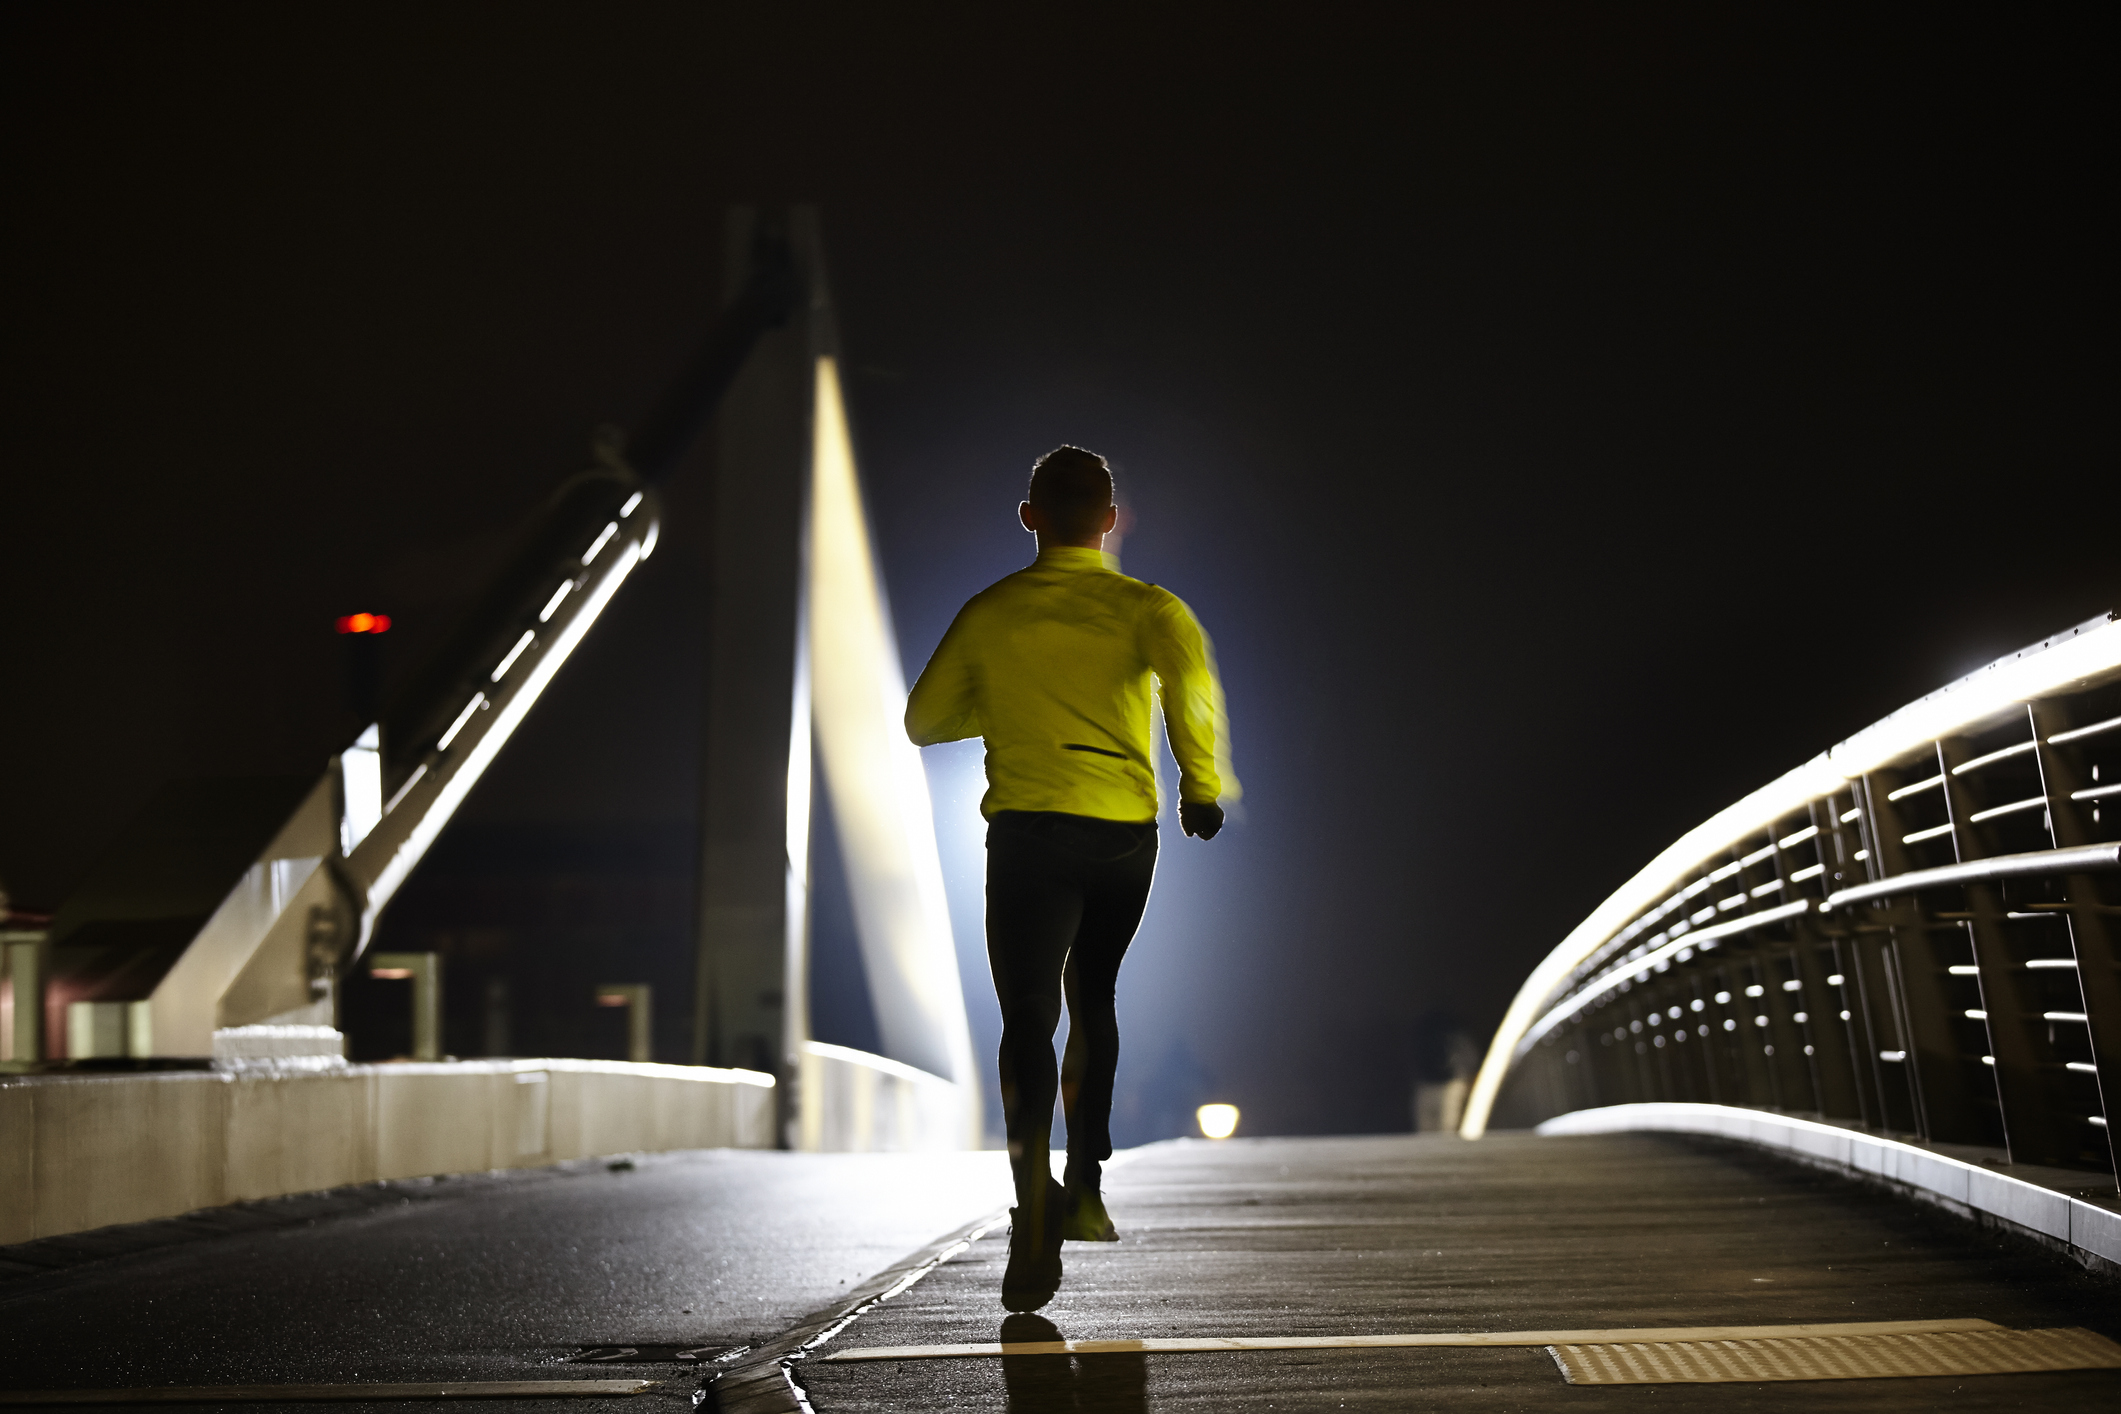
(944, 703)
(1192, 696)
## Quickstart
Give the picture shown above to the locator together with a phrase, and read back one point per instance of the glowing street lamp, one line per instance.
(1217, 1121)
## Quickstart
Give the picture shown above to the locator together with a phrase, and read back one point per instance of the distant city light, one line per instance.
(1217, 1121)
(363, 623)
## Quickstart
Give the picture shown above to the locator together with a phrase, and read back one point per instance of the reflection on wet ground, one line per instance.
(1115, 1383)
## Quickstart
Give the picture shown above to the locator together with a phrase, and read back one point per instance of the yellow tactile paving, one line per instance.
(1835, 1357)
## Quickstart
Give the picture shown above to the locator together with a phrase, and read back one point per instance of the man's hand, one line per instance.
(1200, 819)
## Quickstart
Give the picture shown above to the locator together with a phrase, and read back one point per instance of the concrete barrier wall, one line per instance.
(854, 1102)
(84, 1151)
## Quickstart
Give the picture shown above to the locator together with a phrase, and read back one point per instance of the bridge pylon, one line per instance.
(805, 688)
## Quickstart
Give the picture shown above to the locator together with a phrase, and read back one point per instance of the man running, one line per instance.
(1052, 667)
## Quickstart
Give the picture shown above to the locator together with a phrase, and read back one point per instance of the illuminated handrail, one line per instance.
(1612, 977)
(1917, 746)
(2035, 864)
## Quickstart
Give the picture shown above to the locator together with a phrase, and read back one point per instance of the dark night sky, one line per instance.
(1563, 421)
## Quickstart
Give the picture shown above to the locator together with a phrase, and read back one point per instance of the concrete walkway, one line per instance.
(1412, 1234)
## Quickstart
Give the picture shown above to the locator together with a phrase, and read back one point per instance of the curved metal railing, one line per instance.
(1915, 931)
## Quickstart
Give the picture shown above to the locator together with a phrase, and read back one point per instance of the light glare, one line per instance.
(872, 774)
(1217, 1121)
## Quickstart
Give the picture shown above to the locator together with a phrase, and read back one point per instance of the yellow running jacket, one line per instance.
(1052, 666)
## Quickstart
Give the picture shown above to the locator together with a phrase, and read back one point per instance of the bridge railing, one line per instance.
(1915, 932)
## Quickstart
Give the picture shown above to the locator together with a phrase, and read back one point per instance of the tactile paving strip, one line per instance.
(1849, 1357)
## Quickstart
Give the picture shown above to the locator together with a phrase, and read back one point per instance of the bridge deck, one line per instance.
(505, 1278)
(1416, 1234)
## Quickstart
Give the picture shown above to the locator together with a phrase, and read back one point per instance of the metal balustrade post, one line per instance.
(1638, 1043)
(2012, 1057)
(1612, 1087)
(1782, 1045)
(1656, 1072)
(1753, 1007)
(2095, 943)
(1936, 1059)
(1876, 999)
(1801, 1072)
(1686, 1055)
(1855, 1033)
(1627, 1066)
(1708, 1043)
(1833, 1075)
(1538, 1073)
(1799, 1006)
(1586, 1069)
(1748, 1065)
(1877, 972)
(1836, 845)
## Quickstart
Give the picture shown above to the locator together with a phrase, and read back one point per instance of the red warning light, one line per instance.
(364, 623)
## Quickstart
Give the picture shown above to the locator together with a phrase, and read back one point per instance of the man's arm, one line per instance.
(944, 705)
(1194, 718)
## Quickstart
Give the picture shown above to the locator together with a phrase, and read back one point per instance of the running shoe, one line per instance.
(1086, 1219)
(1034, 1272)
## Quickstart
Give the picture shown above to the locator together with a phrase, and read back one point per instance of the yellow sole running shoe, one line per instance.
(1087, 1220)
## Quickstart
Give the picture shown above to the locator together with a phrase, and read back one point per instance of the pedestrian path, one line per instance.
(1417, 1272)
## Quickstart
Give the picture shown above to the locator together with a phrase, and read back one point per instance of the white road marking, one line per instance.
(1375, 1342)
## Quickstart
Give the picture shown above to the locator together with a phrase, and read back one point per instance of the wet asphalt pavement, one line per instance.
(495, 1279)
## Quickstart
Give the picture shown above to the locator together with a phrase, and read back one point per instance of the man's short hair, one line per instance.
(1072, 488)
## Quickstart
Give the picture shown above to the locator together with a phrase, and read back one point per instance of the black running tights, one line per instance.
(1064, 896)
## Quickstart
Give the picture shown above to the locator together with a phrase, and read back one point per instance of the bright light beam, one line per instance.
(873, 774)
